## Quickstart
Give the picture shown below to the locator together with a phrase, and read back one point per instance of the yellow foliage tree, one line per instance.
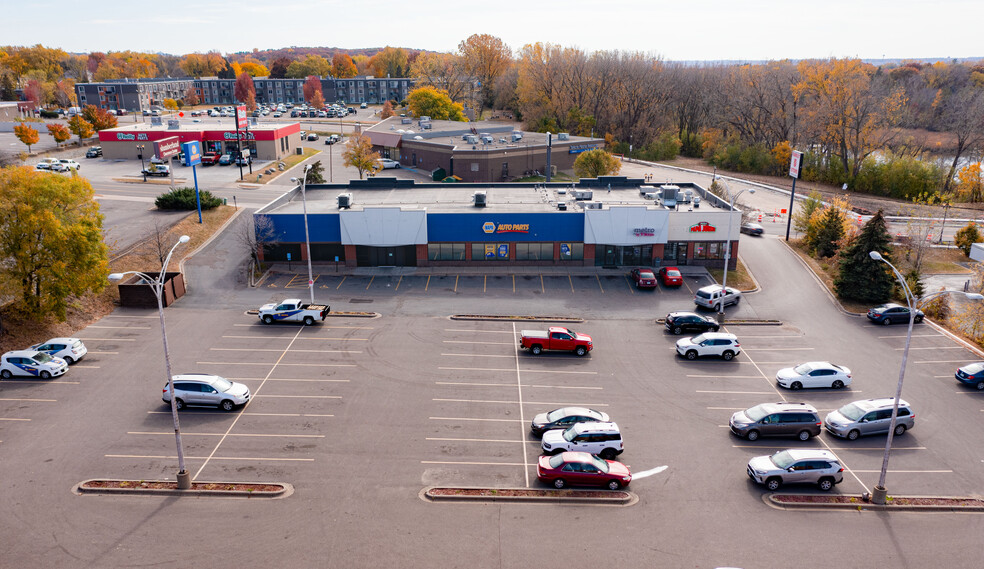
(80, 128)
(59, 132)
(594, 163)
(434, 103)
(27, 135)
(971, 186)
(359, 154)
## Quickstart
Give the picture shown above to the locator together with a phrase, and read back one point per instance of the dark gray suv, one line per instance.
(782, 419)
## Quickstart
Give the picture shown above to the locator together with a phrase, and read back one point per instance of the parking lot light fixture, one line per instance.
(727, 244)
(879, 495)
(157, 285)
(307, 235)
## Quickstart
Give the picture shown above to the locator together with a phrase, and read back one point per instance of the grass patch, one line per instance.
(289, 162)
(944, 261)
(738, 278)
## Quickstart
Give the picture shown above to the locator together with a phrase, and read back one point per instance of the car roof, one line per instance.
(596, 426)
(806, 453)
(63, 340)
(577, 411)
(869, 404)
(205, 377)
(576, 456)
(22, 353)
(719, 335)
(684, 313)
(788, 406)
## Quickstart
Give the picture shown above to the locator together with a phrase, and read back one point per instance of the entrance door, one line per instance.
(404, 256)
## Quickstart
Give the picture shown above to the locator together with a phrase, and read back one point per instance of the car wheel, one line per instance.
(719, 307)
(45, 374)
(853, 435)
(559, 483)
(980, 385)
(803, 435)
(535, 350)
(796, 385)
(752, 435)
(614, 485)
(837, 384)
(6, 374)
(773, 483)
(737, 300)
(887, 321)
(692, 355)
(609, 454)
(308, 321)
(899, 430)
(227, 405)
(69, 360)
(715, 328)
(179, 404)
(825, 484)
(678, 330)
(581, 350)
(268, 319)
(917, 319)
(728, 355)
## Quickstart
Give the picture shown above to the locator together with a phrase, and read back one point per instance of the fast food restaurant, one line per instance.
(264, 142)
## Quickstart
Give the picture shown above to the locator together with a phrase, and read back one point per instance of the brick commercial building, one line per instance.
(265, 142)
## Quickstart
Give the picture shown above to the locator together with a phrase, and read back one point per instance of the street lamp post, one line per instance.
(157, 285)
(140, 149)
(307, 235)
(879, 494)
(727, 245)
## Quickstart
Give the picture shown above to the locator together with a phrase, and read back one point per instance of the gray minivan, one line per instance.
(869, 417)
(781, 419)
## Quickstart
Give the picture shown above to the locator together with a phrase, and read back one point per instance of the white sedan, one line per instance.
(814, 374)
(385, 163)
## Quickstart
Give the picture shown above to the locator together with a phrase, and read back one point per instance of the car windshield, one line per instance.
(557, 414)
(851, 411)
(803, 369)
(556, 461)
(756, 413)
(221, 383)
(782, 459)
(599, 463)
(697, 339)
(673, 273)
(41, 357)
(570, 433)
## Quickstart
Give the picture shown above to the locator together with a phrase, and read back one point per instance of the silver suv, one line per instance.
(602, 439)
(717, 297)
(206, 389)
(869, 417)
(797, 466)
(718, 344)
(781, 419)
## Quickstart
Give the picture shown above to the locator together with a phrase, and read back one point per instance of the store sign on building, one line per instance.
(245, 135)
(702, 227)
(491, 227)
(644, 232)
(129, 136)
(242, 119)
(167, 147)
(488, 227)
(579, 148)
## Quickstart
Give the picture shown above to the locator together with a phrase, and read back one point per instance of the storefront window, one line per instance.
(534, 251)
(708, 251)
(572, 251)
(446, 251)
(490, 252)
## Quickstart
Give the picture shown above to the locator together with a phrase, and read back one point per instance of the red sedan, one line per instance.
(644, 278)
(582, 469)
(670, 276)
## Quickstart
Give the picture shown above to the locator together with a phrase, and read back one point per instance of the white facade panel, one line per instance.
(709, 225)
(626, 225)
(383, 227)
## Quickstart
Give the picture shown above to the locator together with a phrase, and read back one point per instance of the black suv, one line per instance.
(680, 322)
(782, 419)
(94, 152)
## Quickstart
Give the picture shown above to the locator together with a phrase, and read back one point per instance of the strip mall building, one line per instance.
(610, 221)
(264, 142)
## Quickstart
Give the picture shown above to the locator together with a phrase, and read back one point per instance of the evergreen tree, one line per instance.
(830, 230)
(862, 278)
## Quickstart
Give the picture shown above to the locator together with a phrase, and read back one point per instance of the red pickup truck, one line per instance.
(556, 338)
(210, 158)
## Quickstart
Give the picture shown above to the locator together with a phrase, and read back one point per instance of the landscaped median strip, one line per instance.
(598, 497)
(170, 488)
(894, 503)
(516, 318)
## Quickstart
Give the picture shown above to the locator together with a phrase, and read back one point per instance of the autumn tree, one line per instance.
(342, 66)
(51, 235)
(100, 119)
(191, 97)
(312, 92)
(359, 154)
(387, 110)
(594, 163)
(962, 114)
(170, 104)
(278, 67)
(311, 65)
(250, 101)
(434, 103)
(59, 132)
(244, 86)
(971, 185)
(80, 128)
(443, 71)
(27, 135)
(390, 62)
(252, 68)
(486, 57)
(202, 65)
(966, 236)
(860, 277)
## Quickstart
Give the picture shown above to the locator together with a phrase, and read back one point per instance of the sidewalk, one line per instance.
(300, 268)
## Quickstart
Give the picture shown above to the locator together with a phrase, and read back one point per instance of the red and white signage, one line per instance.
(702, 227)
(167, 147)
(242, 119)
(795, 163)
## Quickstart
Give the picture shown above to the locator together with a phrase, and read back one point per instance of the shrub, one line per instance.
(967, 236)
(184, 198)
(666, 147)
(45, 114)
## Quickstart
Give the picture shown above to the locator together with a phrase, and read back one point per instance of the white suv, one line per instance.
(206, 389)
(709, 344)
(602, 439)
(717, 297)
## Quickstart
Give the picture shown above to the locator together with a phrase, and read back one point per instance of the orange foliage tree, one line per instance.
(59, 132)
(27, 135)
(80, 128)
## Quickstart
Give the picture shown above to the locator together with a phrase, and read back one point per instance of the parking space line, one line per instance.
(292, 351)
(907, 471)
(740, 392)
(727, 376)
(933, 348)
(155, 317)
(397, 282)
(80, 366)
(208, 458)
(519, 391)
(428, 283)
(274, 363)
(939, 361)
(599, 284)
(524, 465)
(476, 342)
(252, 414)
(745, 349)
(288, 338)
(456, 283)
(514, 283)
(301, 396)
(628, 282)
(120, 327)
(290, 379)
(479, 355)
(27, 399)
(340, 282)
(477, 440)
(48, 381)
(522, 402)
(187, 434)
(107, 339)
(103, 353)
(476, 419)
(508, 369)
(485, 282)
(370, 282)
(725, 409)
(512, 385)
(12, 419)
(743, 336)
(878, 449)
(484, 331)
(571, 281)
(914, 336)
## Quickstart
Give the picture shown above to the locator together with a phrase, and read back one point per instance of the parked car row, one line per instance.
(579, 445)
(57, 165)
(45, 361)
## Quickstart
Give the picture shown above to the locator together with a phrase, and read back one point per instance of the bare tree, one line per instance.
(963, 115)
(257, 232)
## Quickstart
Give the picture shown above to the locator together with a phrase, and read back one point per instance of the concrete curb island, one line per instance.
(528, 495)
(198, 489)
(774, 501)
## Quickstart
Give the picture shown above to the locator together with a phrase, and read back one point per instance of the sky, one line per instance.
(708, 30)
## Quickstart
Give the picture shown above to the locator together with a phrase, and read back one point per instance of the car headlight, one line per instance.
(546, 446)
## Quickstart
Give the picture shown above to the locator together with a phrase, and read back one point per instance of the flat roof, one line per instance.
(184, 126)
(458, 198)
(452, 133)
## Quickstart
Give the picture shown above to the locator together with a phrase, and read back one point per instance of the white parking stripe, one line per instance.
(12, 419)
(287, 338)
(914, 336)
(152, 317)
(482, 331)
(476, 463)
(739, 392)
(301, 396)
(727, 376)
(174, 457)
(524, 402)
(933, 348)
(512, 385)
(510, 369)
(291, 379)
(938, 361)
(324, 327)
(478, 440)
(103, 353)
(278, 364)
(187, 434)
(278, 350)
(256, 414)
(744, 348)
(107, 339)
(483, 343)
(121, 327)
(20, 399)
(479, 355)
(476, 419)
(907, 471)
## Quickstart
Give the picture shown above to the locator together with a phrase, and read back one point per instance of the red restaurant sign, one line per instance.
(702, 227)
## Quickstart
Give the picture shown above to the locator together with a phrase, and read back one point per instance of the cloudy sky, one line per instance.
(675, 30)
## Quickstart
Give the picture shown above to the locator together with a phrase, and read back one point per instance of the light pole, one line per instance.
(140, 149)
(727, 246)
(307, 236)
(879, 494)
(157, 285)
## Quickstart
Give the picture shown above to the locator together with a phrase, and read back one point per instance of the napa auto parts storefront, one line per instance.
(264, 142)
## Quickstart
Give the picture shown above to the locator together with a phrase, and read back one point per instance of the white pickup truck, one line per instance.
(293, 310)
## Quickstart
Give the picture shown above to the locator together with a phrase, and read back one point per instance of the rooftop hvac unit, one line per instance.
(480, 199)
(582, 194)
(487, 139)
(592, 205)
(562, 206)
(502, 140)
(406, 120)
(424, 119)
(649, 195)
(344, 201)
(517, 136)
(646, 190)
(472, 139)
(564, 136)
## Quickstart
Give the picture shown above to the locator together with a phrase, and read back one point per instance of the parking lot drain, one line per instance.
(528, 495)
(199, 489)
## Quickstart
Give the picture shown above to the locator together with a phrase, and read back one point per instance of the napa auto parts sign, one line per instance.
(702, 227)
(491, 227)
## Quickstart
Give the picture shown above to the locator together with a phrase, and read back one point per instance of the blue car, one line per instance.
(972, 374)
(892, 313)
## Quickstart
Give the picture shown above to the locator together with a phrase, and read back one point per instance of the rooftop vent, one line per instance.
(480, 199)
(563, 136)
(592, 205)
(344, 201)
